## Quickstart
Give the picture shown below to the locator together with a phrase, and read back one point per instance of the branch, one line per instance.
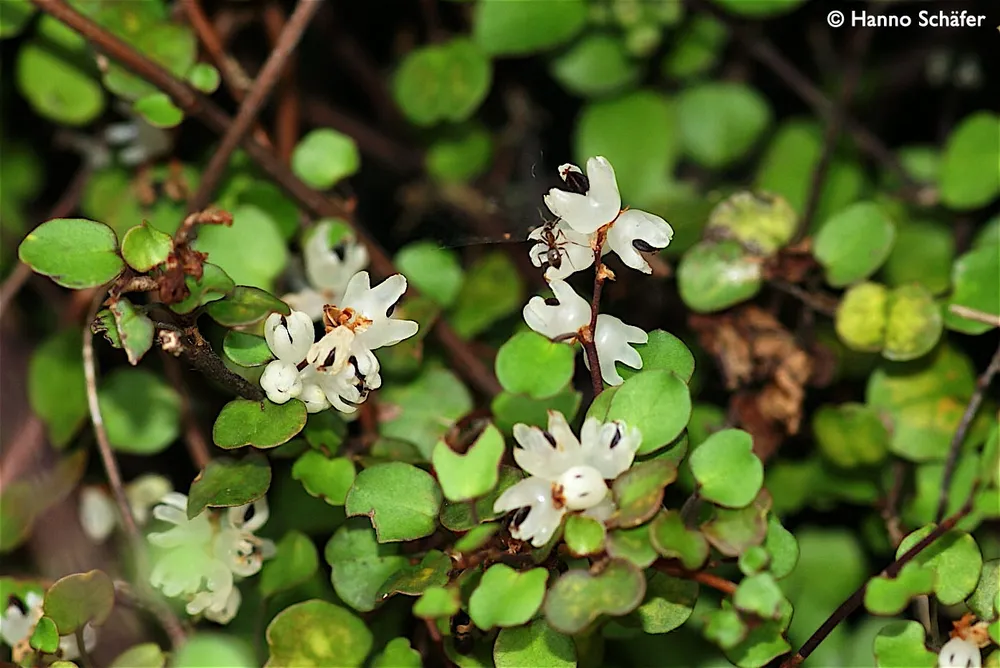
(251, 107)
(589, 345)
(192, 346)
(982, 383)
(857, 598)
(702, 577)
(973, 314)
(233, 76)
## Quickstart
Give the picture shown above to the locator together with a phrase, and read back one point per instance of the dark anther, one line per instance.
(584, 493)
(331, 358)
(643, 246)
(578, 476)
(249, 513)
(16, 601)
(340, 250)
(519, 516)
(284, 322)
(617, 437)
(577, 182)
(551, 301)
(388, 311)
(550, 438)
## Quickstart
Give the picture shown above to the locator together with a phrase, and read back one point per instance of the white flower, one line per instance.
(563, 320)
(593, 204)
(566, 474)
(328, 270)
(99, 515)
(281, 381)
(289, 337)
(960, 653)
(18, 621)
(575, 252)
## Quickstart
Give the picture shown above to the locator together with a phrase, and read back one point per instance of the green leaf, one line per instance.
(595, 65)
(57, 388)
(45, 636)
(726, 468)
(213, 649)
(720, 122)
(673, 540)
(158, 110)
(733, 531)
(782, 548)
(697, 48)
(663, 351)
(725, 628)
(74, 252)
(294, 563)
(144, 655)
(913, 323)
(506, 597)
(325, 478)
(505, 29)
(262, 425)
(509, 409)
(134, 329)
(459, 516)
(475, 538)
(853, 243)
(983, 600)
(923, 253)
(396, 516)
(247, 350)
(851, 435)
(669, 603)
(890, 596)
(584, 535)
(173, 47)
(763, 643)
(473, 474)
(637, 133)
(861, 317)
(632, 545)
(398, 654)
(246, 306)
(493, 290)
(442, 82)
(536, 645)
(424, 409)
(414, 580)
(253, 234)
(141, 411)
(529, 363)
(755, 559)
(638, 492)
(77, 599)
(56, 87)
(579, 597)
(760, 221)
(976, 277)
(324, 157)
(714, 276)
(657, 403)
(437, 602)
(229, 483)
(759, 595)
(969, 177)
(15, 15)
(326, 430)
(317, 634)
(213, 285)
(901, 645)
(144, 247)
(204, 77)
(954, 558)
(459, 155)
(759, 8)
(359, 564)
(434, 271)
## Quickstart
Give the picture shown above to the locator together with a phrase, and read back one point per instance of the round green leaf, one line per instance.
(145, 655)
(638, 492)
(983, 600)
(579, 597)
(759, 8)
(317, 634)
(715, 276)
(596, 65)
(755, 559)
(459, 516)
(204, 77)
(671, 538)
(913, 323)
(731, 532)
(851, 435)
(726, 468)
(294, 563)
(955, 559)
(901, 645)
(584, 535)
(213, 285)
(473, 474)
(228, 483)
(442, 82)
(253, 234)
(158, 110)
(57, 388)
(144, 247)
(78, 599)
(432, 270)
(853, 243)
(782, 548)
(969, 176)
(323, 477)
(324, 157)
(669, 603)
(74, 252)
(493, 289)
(632, 545)
(396, 516)
(664, 351)
(923, 253)
(725, 628)
(142, 412)
(45, 636)
(245, 306)
(262, 425)
(720, 121)
(459, 156)
(509, 409)
(172, 46)
(861, 317)
(890, 596)
(657, 403)
(326, 430)
(424, 408)
(213, 650)
(759, 595)
(536, 645)
(415, 579)
(505, 597)
(761, 221)
(697, 49)
(247, 350)
(134, 328)
(359, 564)
(503, 28)
(922, 430)
(976, 280)
(56, 87)
(398, 654)
(437, 602)
(529, 363)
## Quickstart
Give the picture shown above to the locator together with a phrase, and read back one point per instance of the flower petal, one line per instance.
(564, 318)
(281, 381)
(612, 340)
(633, 225)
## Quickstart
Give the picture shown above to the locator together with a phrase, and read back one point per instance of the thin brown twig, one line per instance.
(702, 577)
(254, 102)
(817, 302)
(588, 339)
(233, 76)
(288, 112)
(194, 439)
(974, 314)
(975, 401)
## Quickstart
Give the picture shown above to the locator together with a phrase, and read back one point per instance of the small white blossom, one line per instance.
(18, 622)
(960, 653)
(563, 320)
(598, 205)
(575, 252)
(99, 515)
(566, 474)
(328, 270)
(206, 555)
(289, 337)
(281, 381)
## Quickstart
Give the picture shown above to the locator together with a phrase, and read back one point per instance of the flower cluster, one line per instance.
(566, 474)
(591, 223)
(204, 556)
(328, 269)
(340, 368)
(18, 622)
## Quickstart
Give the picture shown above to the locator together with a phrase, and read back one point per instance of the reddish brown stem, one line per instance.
(589, 344)
(702, 577)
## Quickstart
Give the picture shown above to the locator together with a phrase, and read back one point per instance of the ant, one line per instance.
(554, 240)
